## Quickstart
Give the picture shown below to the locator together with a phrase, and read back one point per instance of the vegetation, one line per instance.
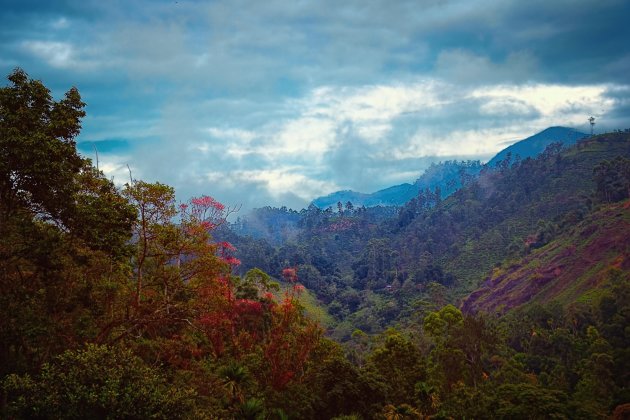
(123, 303)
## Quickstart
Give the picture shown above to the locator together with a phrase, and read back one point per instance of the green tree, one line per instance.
(612, 178)
(64, 229)
(401, 412)
(253, 283)
(400, 363)
(97, 382)
(234, 378)
(38, 157)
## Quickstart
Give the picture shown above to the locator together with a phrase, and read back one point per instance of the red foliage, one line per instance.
(204, 211)
(268, 296)
(208, 225)
(289, 343)
(290, 274)
(226, 246)
(206, 202)
(340, 226)
(233, 261)
(248, 306)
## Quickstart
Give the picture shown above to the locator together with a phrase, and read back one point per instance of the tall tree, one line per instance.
(64, 228)
(38, 157)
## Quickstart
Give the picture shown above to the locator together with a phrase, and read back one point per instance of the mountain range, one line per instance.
(447, 176)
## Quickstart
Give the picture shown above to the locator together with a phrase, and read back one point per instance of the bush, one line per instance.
(96, 382)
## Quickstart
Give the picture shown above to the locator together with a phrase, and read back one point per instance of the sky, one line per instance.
(278, 102)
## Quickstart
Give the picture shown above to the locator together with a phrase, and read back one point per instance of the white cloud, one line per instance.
(375, 103)
(232, 134)
(277, 182)
(551, 100)
(114, 166)
(472, 143)
(63, 55)
(373, 136)
(60, 23)
(57, 54)
(302, 136)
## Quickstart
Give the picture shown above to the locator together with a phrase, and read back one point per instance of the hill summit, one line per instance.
(536, 144)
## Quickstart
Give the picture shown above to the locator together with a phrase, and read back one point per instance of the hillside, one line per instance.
(532, 146)
(567, 269)
(476, 229)
(369, 265)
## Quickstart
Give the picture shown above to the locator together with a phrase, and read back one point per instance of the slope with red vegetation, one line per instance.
(565, 270)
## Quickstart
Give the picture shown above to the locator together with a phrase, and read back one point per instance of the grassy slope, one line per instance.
(316, 310)
(313, 308)
(567, 269)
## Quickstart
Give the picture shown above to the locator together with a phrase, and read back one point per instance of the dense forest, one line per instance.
(509, 298)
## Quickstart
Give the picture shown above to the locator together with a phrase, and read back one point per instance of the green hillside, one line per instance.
(540, 196)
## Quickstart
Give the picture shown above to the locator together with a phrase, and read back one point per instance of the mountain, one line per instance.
(536, 144)
(391, 196)
(447, 176)
(567, 269)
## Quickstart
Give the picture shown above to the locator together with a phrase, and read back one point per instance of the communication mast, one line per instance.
(592, 121)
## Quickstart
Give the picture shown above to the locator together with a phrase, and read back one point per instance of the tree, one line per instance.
(401, 412)
(155, 204)
(97, 382)
(38, 158)
(613, 179)
(253, 283)
(399, 362)
(64, 228)
(234, 378)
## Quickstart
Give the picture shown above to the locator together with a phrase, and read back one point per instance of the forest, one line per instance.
(508, 298)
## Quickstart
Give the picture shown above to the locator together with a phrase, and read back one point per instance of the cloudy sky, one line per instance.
(278, 102)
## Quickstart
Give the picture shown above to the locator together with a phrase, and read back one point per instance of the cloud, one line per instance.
(363, 138)
(277, 102)
(57, 54)
(465, 67)
(277, 182)
(567, 104)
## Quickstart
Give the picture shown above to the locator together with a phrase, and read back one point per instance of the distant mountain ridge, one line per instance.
(447, 176)
(536, 144)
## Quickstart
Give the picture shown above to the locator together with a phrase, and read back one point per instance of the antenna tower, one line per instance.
(592, 121)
